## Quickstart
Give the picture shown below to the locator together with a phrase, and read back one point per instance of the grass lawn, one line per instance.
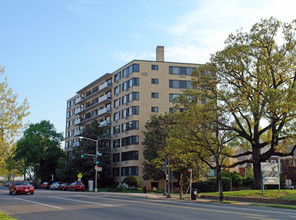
(272, 193)
(5, 217)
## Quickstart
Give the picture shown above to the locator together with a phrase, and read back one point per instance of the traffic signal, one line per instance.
(96, 160)
(164, 164)
(82, 153)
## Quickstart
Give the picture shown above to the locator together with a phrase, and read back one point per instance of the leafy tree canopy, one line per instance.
(12, 114)
(40, 148)
(253, 79)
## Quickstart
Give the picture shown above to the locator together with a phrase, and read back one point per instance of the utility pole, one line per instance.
(169, 174)
(96, 157)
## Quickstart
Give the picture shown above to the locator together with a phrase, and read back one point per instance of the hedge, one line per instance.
(210, 185)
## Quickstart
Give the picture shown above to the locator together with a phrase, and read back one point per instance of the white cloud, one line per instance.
(203, 30)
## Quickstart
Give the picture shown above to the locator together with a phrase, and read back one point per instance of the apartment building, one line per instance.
(123, 101)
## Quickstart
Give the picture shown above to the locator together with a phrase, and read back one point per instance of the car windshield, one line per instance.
(22, 183)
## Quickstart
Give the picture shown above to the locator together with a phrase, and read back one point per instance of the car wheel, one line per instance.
(10, 192)
(32, 193)
(73, 189)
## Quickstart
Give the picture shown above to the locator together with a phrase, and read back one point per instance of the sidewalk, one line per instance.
(215, 199)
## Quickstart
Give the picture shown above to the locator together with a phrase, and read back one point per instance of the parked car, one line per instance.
(76, 186)
(64, 186)
(7, 184)
(55, 185)
(289, 187)
(45, 185)
(21, 187)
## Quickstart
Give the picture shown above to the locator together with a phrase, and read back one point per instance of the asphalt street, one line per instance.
(64, 205)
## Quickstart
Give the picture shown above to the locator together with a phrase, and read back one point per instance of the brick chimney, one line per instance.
(160, 53)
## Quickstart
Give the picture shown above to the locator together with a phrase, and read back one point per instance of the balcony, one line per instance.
(77, 121)
(76, 144)
(104, 111)
(78, 110)
(104, 86)
(105, 98)
(105, 123)
(78, 133)
(79, 99)
(102, 100)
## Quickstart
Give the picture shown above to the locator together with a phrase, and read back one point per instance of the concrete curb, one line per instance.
(252, 200)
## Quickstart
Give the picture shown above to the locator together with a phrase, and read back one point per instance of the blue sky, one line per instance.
(53, 48)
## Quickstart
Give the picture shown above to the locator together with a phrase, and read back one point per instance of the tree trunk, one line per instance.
(181, 186)
(256, 168)
(219, 181)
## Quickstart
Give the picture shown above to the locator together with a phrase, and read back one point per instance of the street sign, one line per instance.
(79, 175)
(97, 168)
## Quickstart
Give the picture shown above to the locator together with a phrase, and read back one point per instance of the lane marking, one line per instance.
(82, 201)
(290, 214)
(192, 208)
(38, 203)
(259, 218)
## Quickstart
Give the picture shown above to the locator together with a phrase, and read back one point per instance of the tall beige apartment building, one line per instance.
(123, 101)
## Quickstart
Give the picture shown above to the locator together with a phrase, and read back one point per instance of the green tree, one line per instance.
(157, 130)
(12, 114)
(255, 89)
(198, 133)
(40, 150)
(86, 165)
(159, 146)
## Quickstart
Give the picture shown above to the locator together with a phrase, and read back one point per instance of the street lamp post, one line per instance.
(96, 156)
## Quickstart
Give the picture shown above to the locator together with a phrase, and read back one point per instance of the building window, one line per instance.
(116, 129)
(130, 140)
(154, 95)
(172, 110)
(131, 155)
(131, 69)
(154, 67)
(117, 77)
(115, 171)
(130, 97)
(117, 89)
(116, 116)
(154, 109)
(131, 125)
(180, 70)
(180, 84)
(173, 96)
(154, 81)
(117, 103)
(116, 157)
(127, 171)
(116, 143)
(130, 83)
(134, 110)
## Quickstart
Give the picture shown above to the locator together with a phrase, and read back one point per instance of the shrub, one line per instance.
(210, 185)
(131, 181)
(235, 177)
(248, 181)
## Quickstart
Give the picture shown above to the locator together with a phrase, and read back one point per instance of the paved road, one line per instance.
(49, 205)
